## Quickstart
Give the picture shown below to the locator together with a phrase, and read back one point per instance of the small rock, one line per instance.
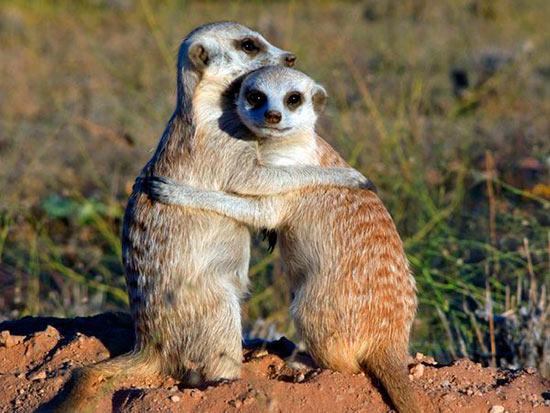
(530, 370)
(49, 332)
(257, 354)
(39, 375)
(419, 356)
(175, 398)
(429, 360)
(300, 378)
(173, 389)
(417, 371)
(7, 340)
(21, 391)
(497, 409)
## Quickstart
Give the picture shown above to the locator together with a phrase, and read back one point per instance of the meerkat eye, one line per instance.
(294, 99)
(255, 98)
(249, 46)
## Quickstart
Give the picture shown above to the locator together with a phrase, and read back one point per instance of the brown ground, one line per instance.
(37, 355)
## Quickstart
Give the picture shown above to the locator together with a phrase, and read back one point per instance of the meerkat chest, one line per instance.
(217, 158)
(289, 154)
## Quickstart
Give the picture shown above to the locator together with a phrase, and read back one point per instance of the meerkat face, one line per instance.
(227, 50)
(280, 102)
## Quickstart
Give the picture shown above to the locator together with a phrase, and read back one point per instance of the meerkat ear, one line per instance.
(198, 56)
(319, 99)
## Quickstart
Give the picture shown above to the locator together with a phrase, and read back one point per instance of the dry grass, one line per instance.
(87, 86)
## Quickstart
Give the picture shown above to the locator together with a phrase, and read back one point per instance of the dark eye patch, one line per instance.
(250, 45)
(255, 98)
(293, 99)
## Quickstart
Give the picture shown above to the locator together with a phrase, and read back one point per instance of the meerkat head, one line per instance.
(226, 50)
(279, 102)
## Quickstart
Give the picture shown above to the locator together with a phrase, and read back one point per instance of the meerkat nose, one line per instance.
(273, 116)
(289, 59)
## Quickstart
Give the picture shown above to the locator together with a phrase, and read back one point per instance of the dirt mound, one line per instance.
(37, 355)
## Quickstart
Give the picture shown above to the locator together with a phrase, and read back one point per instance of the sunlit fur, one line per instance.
(354, 295)
(186, 270)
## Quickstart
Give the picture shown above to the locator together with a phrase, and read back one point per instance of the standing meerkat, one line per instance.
(186, 270)
(354, 295)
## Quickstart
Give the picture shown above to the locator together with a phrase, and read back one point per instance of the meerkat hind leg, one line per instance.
(218, 340)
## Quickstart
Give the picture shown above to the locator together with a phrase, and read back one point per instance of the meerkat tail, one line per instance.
(393, 375)
(86, 382)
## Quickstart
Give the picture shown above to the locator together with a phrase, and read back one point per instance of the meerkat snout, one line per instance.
(273, 116)
(289, 59)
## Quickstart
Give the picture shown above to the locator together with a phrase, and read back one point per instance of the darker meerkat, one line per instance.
(186, 270)
(354, 295)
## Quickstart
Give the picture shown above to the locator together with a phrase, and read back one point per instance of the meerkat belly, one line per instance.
(171, 255)
(351, 282)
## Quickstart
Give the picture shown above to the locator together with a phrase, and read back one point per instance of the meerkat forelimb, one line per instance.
(354, 295)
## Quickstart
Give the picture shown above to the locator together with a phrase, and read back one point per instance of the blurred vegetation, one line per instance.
(444, 105)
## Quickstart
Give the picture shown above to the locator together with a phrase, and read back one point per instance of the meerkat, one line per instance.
(354, 295)
(187, 270)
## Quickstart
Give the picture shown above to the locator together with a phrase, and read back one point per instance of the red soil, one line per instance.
(37, 355)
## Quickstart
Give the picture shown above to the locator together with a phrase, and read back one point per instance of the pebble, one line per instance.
(175, 398)
(497, 408)
(417, 371)
(39, 375)
(300, 378)
(259, 353)
(429, 360)
(49, 332)
(7, 340)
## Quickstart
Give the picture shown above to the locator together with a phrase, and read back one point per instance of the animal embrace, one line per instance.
(240, 152)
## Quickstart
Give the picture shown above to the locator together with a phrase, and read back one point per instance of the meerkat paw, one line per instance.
(164, 189)
(358, 180)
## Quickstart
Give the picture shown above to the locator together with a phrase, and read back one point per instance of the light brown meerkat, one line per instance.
(354, 295)
(186, 270)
